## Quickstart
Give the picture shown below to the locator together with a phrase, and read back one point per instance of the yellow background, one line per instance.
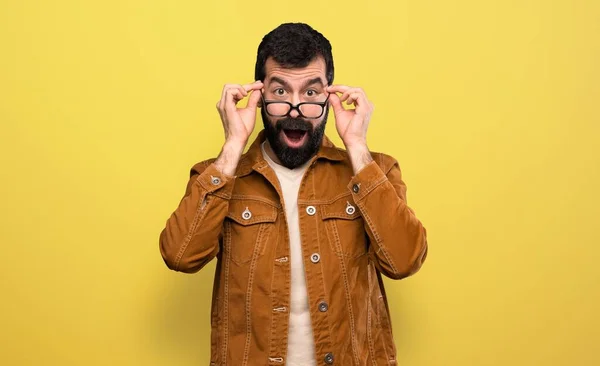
(490, 106)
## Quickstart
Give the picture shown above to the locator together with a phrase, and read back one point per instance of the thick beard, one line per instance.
(290, 157)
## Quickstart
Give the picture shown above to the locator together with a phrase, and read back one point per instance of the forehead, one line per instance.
(316, 68)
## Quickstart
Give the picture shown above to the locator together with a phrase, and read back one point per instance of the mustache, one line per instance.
(293, 124)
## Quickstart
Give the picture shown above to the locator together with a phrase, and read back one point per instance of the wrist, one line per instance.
(360, 156)
(356, 143)
(356, 146)
(229, 157)
(235, 144)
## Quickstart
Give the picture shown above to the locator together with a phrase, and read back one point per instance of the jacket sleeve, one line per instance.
(193, 233)
(398, 239)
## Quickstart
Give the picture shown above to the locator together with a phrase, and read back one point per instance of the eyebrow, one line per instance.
(316, 80)
(312, 81)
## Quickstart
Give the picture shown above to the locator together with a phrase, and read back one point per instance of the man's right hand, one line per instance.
(238, 123)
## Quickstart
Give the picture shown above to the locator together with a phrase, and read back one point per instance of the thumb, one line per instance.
(253, 99)
(336, 103)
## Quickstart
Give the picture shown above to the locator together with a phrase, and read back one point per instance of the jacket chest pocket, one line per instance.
(345, 226)
(248, 226)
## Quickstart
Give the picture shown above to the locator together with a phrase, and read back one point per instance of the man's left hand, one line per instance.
(352, 124)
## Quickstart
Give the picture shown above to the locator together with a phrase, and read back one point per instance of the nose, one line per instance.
(295, 101)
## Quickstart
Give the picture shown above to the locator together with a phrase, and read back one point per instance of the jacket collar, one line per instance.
(254, 160)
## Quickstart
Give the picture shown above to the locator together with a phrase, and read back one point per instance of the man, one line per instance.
(302, 230)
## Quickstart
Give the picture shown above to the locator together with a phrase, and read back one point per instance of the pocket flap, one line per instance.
(343, 208)
(250, 212)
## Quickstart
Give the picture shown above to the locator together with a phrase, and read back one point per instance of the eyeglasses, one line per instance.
(309, 110)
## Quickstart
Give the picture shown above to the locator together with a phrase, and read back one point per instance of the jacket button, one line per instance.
(329, 358)
(311, 210)
(350, 209)
(215, 180)
(315, 257)
(323, 306)
(356, 188)
(246, 215)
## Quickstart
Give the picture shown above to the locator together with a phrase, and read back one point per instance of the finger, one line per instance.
(222, 101)
(232, 97)
(350, 91)
(363, 105)
(236, 90)
(254, 86)
(228, 101)
(233, 93)
(337, 88)
(228, 87)
(254, 98)
(336, 103)
(353, 98)
(238, 95)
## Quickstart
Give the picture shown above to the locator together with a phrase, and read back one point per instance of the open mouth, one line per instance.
(294, 138)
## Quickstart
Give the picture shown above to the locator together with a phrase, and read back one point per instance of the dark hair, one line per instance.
(293, 45)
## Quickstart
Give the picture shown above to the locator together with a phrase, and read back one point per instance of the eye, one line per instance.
(279, 91)
(311, 93)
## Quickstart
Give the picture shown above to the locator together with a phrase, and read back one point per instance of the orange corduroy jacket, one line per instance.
(354, 228)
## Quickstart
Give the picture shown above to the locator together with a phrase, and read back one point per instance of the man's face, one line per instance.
(294, 139)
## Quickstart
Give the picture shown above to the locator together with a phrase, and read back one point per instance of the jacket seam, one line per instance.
(384, 330)
(257, 248)
(369, 318)
(371, 187)
(254, 198)
(347, 291)
(325, 202)
(197, 217)
(221, 195)
(226, 295)
(378, 240)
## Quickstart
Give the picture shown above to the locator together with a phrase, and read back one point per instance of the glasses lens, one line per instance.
(311, 110)
(278, 109)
